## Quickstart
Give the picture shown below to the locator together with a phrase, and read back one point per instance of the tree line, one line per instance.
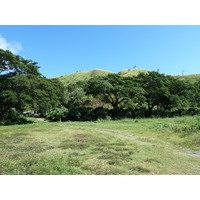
(23, 88)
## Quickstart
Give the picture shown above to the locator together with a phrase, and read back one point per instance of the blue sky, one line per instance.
(62, 50)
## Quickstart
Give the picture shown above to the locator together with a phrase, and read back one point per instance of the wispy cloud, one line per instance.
(13, 46)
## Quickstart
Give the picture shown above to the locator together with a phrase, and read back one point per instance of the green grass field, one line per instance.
(137, 146)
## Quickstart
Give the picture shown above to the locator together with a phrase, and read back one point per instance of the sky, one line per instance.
(62, 50)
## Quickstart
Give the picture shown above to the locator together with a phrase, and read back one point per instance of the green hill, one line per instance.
(192, 77)
(82, 76)
(135, 72)
(86, 75)
(132, 72)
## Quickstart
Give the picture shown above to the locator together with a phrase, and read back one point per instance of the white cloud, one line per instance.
(13, 46)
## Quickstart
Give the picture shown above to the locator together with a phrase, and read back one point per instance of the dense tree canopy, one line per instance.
(14, 64)
(162, 91)
(194, 94)
(116, 90)
(23, 87)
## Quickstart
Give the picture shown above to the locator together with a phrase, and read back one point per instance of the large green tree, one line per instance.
(14, 64)
(194, 94)
(175, 95)
(47, 94)
(163, 91)
(23, 87)
(115, 90)
(197, 93)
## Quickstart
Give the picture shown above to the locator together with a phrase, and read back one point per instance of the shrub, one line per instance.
(80, 114)
(58, 114)
(12, 116)
(91, 114)
(88, 114)
(101, 113)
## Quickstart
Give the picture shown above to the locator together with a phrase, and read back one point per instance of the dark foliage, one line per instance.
(12, 116)
(23, 88)
(58, 114)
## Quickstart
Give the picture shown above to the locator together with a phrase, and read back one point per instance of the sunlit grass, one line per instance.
(142, 146)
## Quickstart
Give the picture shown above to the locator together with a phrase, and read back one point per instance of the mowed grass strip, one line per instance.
(142, 146)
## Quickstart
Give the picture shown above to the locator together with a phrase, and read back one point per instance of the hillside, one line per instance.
(82, 76)
(86, 75)
(192, 77)
(132, 72)
(135, 72)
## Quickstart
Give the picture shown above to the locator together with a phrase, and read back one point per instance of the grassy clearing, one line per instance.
(143, 146)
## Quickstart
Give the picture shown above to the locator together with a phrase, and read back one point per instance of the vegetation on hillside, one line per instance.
(93, 95)
(191, 78)
(87, 75)
(132, 72)
(82, 76)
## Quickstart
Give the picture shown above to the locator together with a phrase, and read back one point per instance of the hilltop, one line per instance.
(86, 75)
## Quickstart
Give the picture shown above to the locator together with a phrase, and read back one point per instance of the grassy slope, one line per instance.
(82, 76)
(135, 72)
(192, 77)
(143, 146)
(86, 75)
(132, 72)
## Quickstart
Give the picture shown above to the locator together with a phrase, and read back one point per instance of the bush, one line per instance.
(90, 114)
(193, 111)
(58, 114)
(12, 116)
(101, 113)
(80, 114)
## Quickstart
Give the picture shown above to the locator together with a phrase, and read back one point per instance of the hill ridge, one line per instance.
(86, 75)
